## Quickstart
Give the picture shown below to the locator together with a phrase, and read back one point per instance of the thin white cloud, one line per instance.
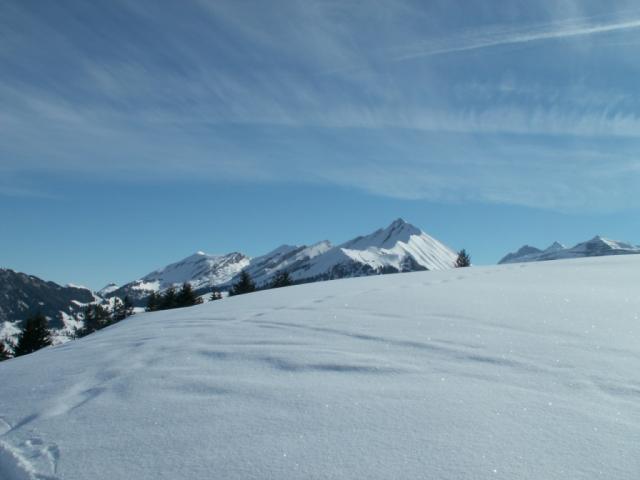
(499, 36)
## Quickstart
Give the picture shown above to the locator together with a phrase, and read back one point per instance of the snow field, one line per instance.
(524, 371)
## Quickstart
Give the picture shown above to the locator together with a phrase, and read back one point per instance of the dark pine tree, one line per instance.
(281, 279)
(243, 285)
(215, 295)
(34, 336)
(121, 309)
(186, 297)
(463, 260)
(96, 317)
(4, 354)
(153, 302)
(169, 299)
(127, 306)
(118, 310)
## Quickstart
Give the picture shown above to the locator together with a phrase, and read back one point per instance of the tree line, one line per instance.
(96, 316)
(172, 298)
(186, 297)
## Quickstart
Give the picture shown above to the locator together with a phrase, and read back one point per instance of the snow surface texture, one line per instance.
(527, 371)
(596, 247)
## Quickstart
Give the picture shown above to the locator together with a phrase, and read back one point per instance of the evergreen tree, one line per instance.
(34, 336)
(153, 302)
(169, 299)
(186, 297)
(96, 317)
(215, 295)
(127, 306)
(118, 310)
(4, 354)
(281, 279)
(122, 309)
(243, 285)
(463, 260)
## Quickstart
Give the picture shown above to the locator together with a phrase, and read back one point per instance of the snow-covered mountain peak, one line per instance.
(555, 246)
(597, 246)
(107, 289)
(200, 269)
(598, 243)
(397, 231)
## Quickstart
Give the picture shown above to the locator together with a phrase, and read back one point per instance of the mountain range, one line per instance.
(400, 247)
(596, 247)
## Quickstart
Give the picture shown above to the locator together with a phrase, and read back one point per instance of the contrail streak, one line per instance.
(502, 38)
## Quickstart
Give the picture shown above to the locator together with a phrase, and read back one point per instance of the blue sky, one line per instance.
(134, 133)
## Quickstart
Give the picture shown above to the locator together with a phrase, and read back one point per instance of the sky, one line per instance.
(133, 134)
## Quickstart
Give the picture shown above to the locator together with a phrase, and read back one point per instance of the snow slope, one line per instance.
(527, 371)
(596, 247)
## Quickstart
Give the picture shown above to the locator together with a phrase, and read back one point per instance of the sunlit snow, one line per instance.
(523, 371)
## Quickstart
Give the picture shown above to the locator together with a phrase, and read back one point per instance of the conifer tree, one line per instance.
(122, 309)
(4, 354)
(463, 260)
(281, 279)
(34, 336)
(243, 285)
(215, 295)
(153, 302)
(118, 310)
(96, 317)
(169, 299)
(127, 306)
(186, 297)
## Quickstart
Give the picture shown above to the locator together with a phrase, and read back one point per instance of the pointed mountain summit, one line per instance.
(596, 247)
(398, 231)
(107, 289)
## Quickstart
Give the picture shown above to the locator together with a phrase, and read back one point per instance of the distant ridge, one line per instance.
(596, 247)
(400, 247)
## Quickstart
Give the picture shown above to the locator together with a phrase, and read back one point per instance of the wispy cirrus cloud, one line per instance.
(499, 36)
(226, 91)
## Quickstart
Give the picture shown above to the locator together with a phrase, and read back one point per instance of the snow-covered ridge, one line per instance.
(107, 289)
(596, 247)
(400, 247)
(506, 372)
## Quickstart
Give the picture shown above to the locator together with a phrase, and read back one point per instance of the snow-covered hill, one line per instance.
(400, 247)
(527, 371)
(596, 247)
